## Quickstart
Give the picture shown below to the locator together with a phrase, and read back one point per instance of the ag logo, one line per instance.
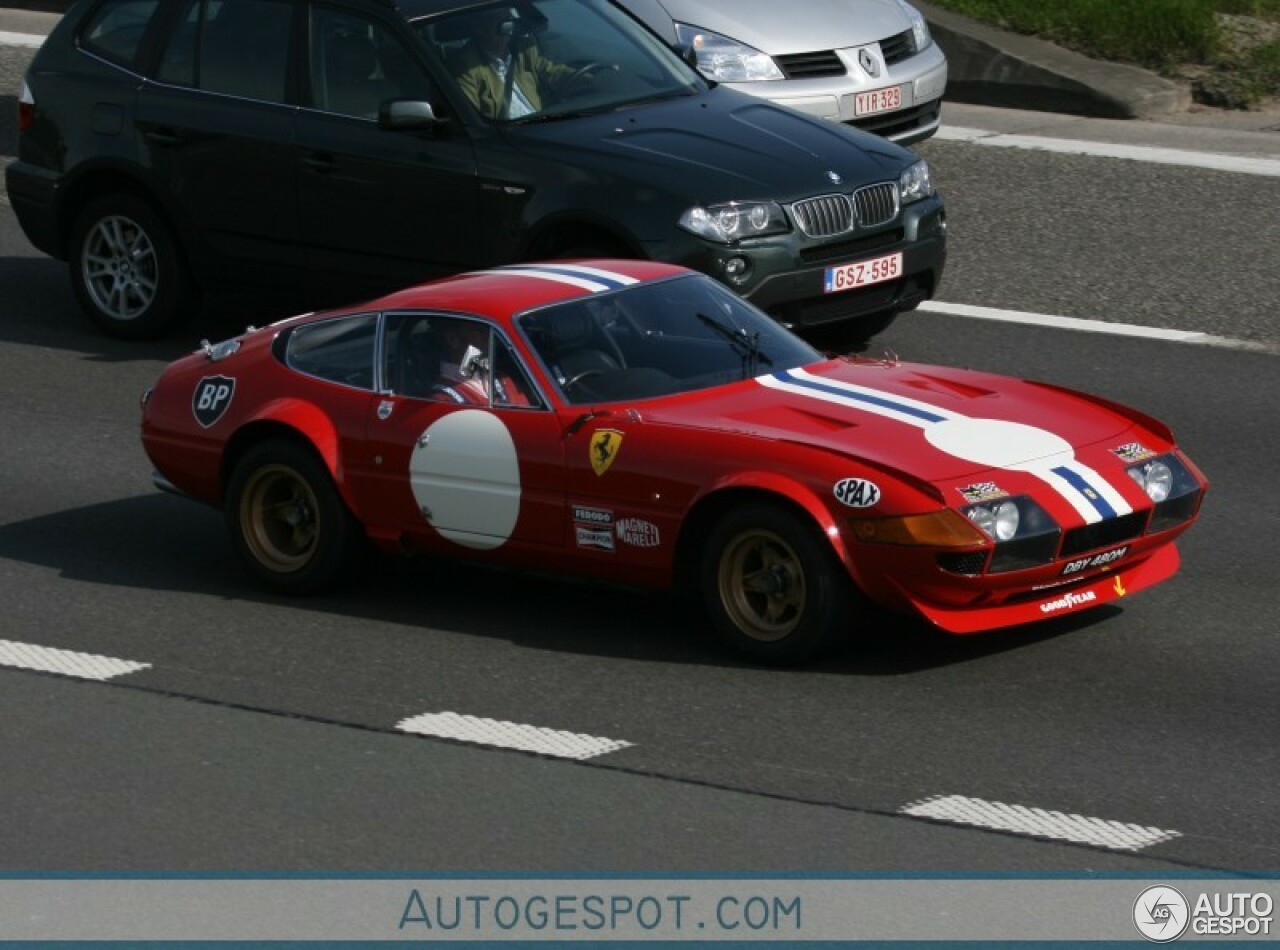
(1161, 913)
(856, 492)
(211, 398)
(604, 449)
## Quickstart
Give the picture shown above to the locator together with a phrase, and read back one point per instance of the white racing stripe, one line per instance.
(1243, 164)
(1092, 326)
(89, 666)
(1039, 823)
(510, 735)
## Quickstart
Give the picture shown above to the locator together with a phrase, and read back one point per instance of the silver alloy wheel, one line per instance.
(119, 266)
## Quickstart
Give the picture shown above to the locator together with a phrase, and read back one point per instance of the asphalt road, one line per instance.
(261, 736)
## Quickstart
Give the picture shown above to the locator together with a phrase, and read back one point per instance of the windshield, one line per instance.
(540, 60)
(656, 339)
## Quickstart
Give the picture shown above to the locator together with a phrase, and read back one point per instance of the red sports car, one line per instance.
(637, 422)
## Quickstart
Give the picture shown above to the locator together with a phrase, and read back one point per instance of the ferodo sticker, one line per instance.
(212, 397)
(856, 492)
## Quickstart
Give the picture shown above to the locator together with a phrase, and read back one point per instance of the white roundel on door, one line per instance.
(466, 478)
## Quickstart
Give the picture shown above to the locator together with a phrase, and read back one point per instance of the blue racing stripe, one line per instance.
(570, 271)
(881, 401)
(1075, 480)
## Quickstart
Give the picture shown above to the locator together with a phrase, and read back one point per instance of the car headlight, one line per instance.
(915, 183)
(919, 28)
(998, 521)
(1025, 534)
(1155, 477)
(732, 221)
(726, 60)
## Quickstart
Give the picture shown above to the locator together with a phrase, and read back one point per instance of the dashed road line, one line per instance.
(89, 666)
(1039, 823)
(1242, 164)
(1094, 326)
(29, 40)
(510, 735)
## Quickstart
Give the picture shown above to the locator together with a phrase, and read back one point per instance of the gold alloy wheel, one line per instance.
(279, 518)
(762, 585)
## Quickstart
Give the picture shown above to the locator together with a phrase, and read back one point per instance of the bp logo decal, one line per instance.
(210, 400)
(856, 492)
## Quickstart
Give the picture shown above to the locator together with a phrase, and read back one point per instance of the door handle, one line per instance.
(320, 162)
(162, 135)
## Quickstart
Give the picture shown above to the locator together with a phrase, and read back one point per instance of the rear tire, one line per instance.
(774, 589)
(126, 269)
(288, 524)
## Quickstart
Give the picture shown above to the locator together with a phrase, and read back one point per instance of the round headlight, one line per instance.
(984, 518)
(728, 219)
(1006, 520)
(1156, 480)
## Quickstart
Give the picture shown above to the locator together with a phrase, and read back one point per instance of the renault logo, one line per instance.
(869, 62)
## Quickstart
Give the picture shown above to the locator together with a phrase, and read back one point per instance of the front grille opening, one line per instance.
(969, 563)
(815, 65)
(1103, 534)
(898, 47)
(1174, 511)
(1023, 553)
(824, 216)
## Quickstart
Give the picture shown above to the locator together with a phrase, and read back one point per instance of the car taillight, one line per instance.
(26, 108)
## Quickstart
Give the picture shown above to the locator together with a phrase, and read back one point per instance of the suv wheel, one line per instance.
(125, 269)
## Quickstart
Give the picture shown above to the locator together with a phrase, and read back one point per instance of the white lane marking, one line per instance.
(89, 666)
(1243, 164)
(510, 735)
(1039, 823)
(21, 39)
(1093, 326)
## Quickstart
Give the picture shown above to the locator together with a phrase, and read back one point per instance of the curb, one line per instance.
(992, 67)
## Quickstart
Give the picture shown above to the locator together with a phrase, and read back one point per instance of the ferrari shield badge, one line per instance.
(604, 449)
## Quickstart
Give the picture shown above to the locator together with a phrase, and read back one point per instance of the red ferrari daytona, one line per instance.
(637, 422)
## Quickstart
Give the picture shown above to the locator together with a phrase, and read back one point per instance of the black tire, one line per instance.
(773, 587)
(126, 269)
(288, 524)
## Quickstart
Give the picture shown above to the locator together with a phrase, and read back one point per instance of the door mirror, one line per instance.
(407, 114)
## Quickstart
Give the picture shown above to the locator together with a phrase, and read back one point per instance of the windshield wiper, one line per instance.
(747, 345)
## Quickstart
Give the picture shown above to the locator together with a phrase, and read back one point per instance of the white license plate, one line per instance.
(881, 100)
(862, 273)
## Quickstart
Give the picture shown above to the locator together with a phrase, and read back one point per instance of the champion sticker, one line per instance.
(856, 492)
(982, 491)
(638, 533)
(212, 397)
(598, 539)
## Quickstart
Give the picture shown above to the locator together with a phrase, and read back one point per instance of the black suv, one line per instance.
(352, 146)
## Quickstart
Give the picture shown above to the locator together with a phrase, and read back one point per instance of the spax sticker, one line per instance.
(856, 492)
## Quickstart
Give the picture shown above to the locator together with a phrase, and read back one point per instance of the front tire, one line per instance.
(773, 587)
(126, 269)
(288, 524)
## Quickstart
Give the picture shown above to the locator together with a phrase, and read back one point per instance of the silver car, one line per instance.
(868, 63)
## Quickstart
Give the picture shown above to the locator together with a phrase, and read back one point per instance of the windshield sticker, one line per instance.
(212, 397)
(604, 449)
(856, 492)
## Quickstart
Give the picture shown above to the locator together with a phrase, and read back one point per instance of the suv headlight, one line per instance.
(919, 28)
(732, 221)
(915, 183)
(726, 60)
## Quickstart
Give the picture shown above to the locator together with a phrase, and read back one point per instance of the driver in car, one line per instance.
(500, 83)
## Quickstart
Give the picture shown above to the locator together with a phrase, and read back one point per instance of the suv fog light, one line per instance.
(737, 269)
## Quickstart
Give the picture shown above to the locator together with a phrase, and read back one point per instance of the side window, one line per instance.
(115, 29)
(339, 350)
(357, 64)
(236, 47)
(453, 360)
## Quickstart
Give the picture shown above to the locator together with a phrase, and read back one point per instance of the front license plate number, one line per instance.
(862, 273)
(1094, 560)
(880, 100)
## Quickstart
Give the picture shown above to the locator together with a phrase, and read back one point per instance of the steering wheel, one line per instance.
(565, 87)
(585, 374)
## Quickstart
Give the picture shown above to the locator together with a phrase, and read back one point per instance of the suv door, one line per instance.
(396, 206)
(217, 127)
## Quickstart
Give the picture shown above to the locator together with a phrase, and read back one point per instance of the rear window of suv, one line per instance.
(115, 29)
